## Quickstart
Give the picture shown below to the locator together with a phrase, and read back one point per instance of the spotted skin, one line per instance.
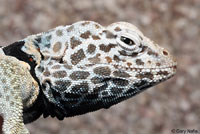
(84, 67)
(13, 73)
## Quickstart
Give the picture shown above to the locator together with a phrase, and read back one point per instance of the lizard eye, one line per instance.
(127, 41)
(130, 42)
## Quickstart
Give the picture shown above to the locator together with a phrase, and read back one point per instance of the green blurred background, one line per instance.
(174, 24)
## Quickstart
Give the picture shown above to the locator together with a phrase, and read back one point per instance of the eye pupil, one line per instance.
(127, 41)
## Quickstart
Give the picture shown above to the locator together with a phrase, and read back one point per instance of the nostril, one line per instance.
(175, 67)
(165, 52)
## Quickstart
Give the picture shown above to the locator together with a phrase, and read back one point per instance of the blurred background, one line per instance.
(174, 24)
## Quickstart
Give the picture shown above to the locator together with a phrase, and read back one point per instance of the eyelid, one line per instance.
(133, 36)
(124, 39)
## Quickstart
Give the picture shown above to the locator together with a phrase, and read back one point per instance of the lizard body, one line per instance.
(13, 73)
(84, 67)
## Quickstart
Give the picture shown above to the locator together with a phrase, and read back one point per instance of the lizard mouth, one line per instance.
(154, 74)
(118, 66)
(164, 73)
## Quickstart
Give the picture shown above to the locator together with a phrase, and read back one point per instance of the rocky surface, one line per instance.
(174, 24)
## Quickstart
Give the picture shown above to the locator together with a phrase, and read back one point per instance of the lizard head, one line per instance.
(86, 67)
(136, 58)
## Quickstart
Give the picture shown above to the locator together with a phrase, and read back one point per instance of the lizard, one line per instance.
(75, 69)
(12, 74)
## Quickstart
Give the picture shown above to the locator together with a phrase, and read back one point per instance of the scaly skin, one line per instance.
(13, 74)
(84, 67)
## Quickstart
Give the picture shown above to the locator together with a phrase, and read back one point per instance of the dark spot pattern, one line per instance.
(91, 48)
(74, 42)
(56, 67)
(103, 71)
(47, 45)
(38, 40)
(149, 62)
(158, 64)
(67, 66)
(116, 58)
(59, 33)
(97, 26)
(96, 80)
(60, 74)
(150, 52)
(48, 38)
(165, 73)
(46, 73)
(139, 62)
(109, 34)
(71, 28)
(57, 46)
(145, 75)
(85, 35)
(85, 23)
(109, 60)
(77, 75)
(77, 57)
(129, 64)
(117, 29)
(95, 37)
(82, 88)
(95, 59)
(120, 82)
(107, 48)
(121, 74)
(64, 84)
